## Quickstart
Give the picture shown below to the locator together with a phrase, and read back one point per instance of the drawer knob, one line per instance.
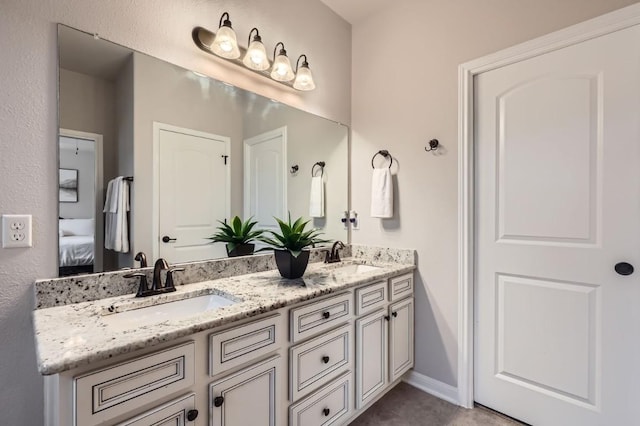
(395, 314)
(326, 411)
(326, 315)
(218, 401)
(387, 317)
(325, 359)
(192, 415)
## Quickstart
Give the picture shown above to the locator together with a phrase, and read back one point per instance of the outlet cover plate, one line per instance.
(16, 231)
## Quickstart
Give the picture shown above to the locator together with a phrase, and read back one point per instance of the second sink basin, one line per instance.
(175, 310)
(356, 269)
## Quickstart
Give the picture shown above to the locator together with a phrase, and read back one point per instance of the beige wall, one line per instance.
(404, 93)
(28, 123)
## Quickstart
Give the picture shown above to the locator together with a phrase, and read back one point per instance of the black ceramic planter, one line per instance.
(289, 266)
(241, 250)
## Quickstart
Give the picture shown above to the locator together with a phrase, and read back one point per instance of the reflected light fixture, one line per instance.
(225, 43)
(304, 78)
(256, 56)
(281, 69)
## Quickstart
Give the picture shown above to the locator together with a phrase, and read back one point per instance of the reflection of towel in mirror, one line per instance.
(116, 206)
(316, 201)
(381, 193)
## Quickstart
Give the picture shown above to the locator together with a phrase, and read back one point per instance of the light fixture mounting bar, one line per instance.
(203, 38)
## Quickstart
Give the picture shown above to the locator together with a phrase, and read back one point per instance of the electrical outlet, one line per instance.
(16, 230)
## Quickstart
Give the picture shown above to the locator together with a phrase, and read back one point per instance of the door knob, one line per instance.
(167, 238)
(624, 268)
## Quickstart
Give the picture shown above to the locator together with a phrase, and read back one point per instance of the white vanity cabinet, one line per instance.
(319, 362)
(384, 339)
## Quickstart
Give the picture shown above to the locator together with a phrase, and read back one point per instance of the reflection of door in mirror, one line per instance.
(265, 178)
(193, 170)
(80, 217)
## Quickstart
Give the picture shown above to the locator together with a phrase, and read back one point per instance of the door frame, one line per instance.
(608, 23)
(98, 186)
(246, 153)
(155, 215)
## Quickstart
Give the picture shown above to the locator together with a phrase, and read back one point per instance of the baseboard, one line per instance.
(432, 386)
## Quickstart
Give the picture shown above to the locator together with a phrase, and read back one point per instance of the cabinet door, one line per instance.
(248, 397)
(371, 356)
(400, 338)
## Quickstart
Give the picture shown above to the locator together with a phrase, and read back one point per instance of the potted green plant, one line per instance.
(289, 246)
(238, 236)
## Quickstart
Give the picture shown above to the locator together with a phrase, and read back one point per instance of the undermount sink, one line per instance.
(175, 310)
(356, 269)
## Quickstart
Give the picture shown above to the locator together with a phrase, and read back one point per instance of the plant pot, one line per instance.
(289, 266)
(241, 250)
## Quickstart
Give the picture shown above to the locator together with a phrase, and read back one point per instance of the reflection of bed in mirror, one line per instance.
(76, 246)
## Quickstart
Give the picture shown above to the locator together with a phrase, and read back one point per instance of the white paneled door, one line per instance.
(557, 207)
(265, 178)
(193, 193)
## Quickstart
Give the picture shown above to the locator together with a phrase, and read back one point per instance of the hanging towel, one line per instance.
(116, 206)
(316, 201)
(382, 193)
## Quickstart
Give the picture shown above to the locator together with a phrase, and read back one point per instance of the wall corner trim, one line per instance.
(432, 386)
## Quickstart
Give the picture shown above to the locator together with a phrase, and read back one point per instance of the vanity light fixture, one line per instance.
(281, 69)
(304, 78)
(256, 56)
(225, 43)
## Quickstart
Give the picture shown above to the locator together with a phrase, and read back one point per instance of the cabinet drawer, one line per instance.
(172, 413)
(314, 318)
(238, 345)
(400, 287)
(319, 360)
(327, 406)
(116, 390)
(371, 297)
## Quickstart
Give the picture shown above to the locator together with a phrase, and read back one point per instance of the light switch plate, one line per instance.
(16, 230)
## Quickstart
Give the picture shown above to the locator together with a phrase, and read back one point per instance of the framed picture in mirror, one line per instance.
(68, 184)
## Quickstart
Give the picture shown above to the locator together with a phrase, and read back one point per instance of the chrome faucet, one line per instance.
(333, 256)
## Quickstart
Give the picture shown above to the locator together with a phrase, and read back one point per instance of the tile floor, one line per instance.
(405, 405)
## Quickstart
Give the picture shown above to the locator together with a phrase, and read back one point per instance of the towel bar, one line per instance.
(313, 168)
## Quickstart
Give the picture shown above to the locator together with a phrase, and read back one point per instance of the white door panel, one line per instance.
(192, 173)
(265, 178)
(557, 143)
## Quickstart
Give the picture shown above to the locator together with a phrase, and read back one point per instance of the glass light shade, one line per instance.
(304, 79)
(281, 70)
(225, 43)
(256, 57)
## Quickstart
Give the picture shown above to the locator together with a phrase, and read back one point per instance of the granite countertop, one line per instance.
(77, 334)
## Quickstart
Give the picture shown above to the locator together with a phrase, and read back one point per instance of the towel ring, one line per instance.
(321, 164)
(385, 154)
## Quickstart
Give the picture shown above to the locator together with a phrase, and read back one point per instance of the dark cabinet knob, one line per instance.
(192, 415)
(395, 314)
(218, 401)
(326, 411)
(325, 359)
(387, 317)
(326, 315)
(624, 268)
(167, 239)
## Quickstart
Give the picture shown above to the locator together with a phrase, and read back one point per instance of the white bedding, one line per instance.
(76, 250)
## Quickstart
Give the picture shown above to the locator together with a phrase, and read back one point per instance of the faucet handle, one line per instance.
(169, 285)
(143, 287)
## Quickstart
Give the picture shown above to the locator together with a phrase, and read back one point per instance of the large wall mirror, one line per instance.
(152, 156)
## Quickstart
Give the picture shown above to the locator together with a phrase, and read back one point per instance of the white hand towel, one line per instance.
(382, 193)
(316, 200)
(116, 232)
